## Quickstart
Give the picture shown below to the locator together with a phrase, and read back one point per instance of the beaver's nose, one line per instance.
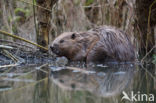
(54, 47)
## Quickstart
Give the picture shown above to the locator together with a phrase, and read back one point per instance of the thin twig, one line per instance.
(44, 65)
(10, 56)
(147, 54)
(148, 72)
(40, 68)
(20, 38)
(25, 74)
(6, 66)
(16, 44)
(5, 47)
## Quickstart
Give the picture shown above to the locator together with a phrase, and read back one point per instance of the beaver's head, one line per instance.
(70, 45)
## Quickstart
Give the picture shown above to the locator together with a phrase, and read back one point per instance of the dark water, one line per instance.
(94, 84)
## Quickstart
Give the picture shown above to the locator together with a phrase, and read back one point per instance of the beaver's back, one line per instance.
(113, 44)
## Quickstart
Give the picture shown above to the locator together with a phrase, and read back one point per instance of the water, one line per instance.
(94, 84)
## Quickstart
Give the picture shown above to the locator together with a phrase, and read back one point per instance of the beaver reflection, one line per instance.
(106, 82)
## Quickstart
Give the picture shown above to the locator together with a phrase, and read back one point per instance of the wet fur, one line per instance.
(98, 44)
(113, 44)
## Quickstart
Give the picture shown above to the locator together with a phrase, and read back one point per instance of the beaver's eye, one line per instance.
(73, 36)
(61, 41)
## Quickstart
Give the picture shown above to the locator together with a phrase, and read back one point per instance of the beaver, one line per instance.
(98, 44)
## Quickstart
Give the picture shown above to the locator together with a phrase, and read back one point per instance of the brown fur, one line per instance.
(97, 44)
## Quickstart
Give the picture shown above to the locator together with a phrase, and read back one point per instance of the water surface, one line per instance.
(94, 84)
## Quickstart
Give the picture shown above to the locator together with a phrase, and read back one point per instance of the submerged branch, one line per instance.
(80, 70)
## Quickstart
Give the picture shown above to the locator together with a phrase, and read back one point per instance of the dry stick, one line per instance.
(15, 44)
(10, 56)
(5, 47)
(20, 38)
(11, 65)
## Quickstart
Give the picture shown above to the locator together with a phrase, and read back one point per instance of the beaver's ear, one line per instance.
(73, 36)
